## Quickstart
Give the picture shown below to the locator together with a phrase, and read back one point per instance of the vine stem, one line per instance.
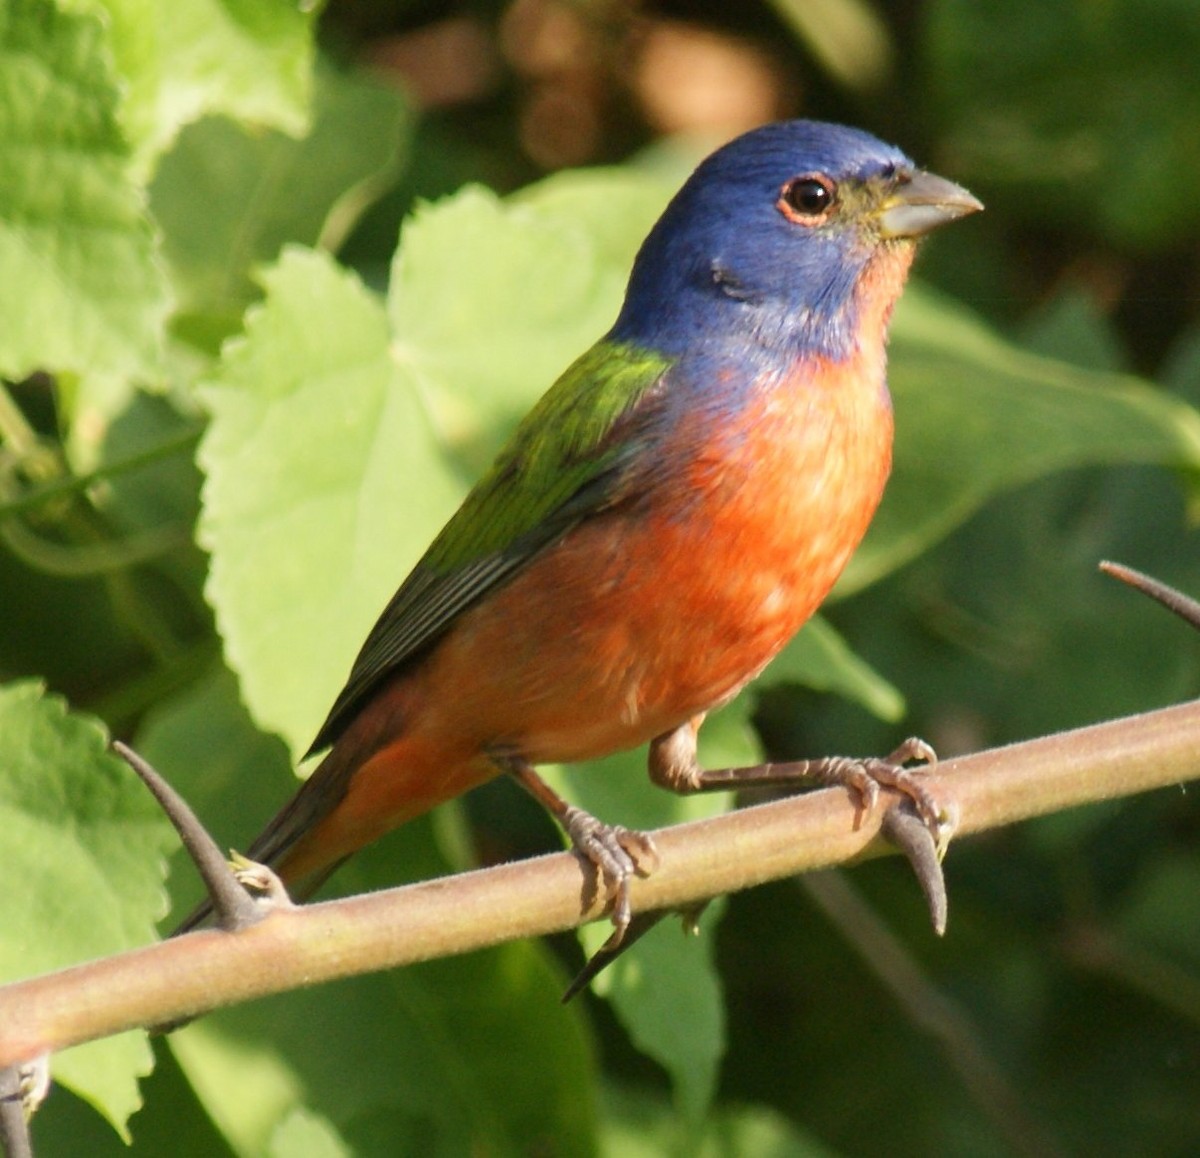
(188, 976)
(174, 444)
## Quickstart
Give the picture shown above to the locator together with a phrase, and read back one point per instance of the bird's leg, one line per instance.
(922, 837)
(673, 765)
(617, 854)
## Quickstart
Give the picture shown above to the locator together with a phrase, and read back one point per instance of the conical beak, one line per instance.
(922, 204)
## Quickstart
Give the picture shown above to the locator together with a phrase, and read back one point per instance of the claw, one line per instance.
(914, 749)
(618, 854)
(857, 776)
(892, 772)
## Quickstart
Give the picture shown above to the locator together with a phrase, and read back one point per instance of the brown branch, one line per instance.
(190, 975)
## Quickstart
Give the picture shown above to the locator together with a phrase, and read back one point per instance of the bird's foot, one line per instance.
(921, 832)
(617, 855)
(867, 775)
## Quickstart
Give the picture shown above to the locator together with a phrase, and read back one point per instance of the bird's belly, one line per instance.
(644, 617)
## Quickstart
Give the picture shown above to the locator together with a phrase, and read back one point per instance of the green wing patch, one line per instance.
(562, 465)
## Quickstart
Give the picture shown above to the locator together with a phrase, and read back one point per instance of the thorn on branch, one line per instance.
(910, 834)
(901, 825)
(1186, 608)
(639, 925)
(232, 904)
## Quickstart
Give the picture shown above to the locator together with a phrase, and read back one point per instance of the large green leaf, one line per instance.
(303, 1134)
(80, 290)
(324, 484)
(821, 659)
(665, 988)
(666, 991)
(637, 1124)
(81, 889)
(470, 1055)
(533, 281)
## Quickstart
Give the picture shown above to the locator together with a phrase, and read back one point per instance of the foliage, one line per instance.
(236, 411)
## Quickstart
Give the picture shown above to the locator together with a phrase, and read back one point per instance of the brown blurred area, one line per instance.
(586, 77)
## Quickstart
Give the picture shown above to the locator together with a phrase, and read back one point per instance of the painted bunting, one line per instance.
(660, 525)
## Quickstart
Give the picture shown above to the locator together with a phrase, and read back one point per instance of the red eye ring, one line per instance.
(809, 199)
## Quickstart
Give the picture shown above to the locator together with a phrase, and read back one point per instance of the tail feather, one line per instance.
(375, 776)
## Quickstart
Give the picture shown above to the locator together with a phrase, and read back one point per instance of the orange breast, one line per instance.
(641, 619)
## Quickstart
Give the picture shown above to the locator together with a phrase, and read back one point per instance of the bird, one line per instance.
(661, 523)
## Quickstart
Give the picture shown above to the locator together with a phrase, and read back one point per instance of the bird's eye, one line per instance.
(807, 200)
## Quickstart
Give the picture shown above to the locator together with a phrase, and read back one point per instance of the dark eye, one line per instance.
(806, 200)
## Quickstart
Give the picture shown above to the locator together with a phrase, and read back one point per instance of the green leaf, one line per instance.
(847, 37)
(534, 281)
(303, 1134)
(80, 290)
(666, 992)
(469, 1055)
(323, 487)
(664, 988)
(250, 60)
(638, 1125)
(1072, 327)
(83, 848)
(976, 416)
(821, 659)
(228, 199)
(1181, 368)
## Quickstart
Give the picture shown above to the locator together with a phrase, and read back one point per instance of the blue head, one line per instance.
(766, 242)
